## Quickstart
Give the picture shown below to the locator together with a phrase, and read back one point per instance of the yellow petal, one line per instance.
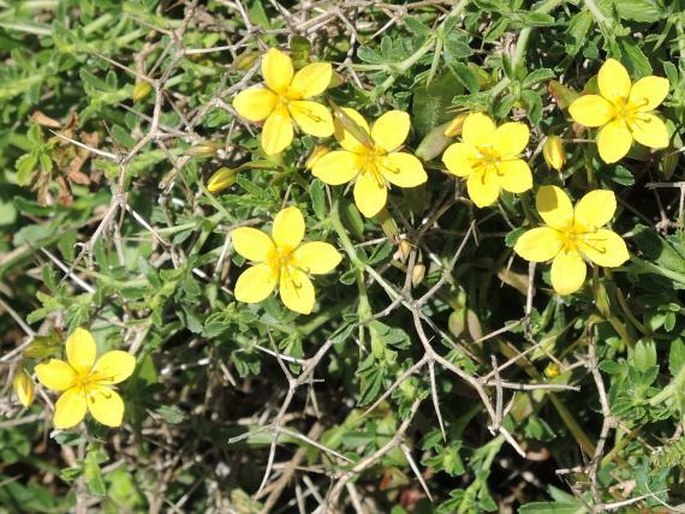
(554, 207)
(483, 188)
(539, 244)
(24, 388)
(297, 291)
(277, 133)
(106, 406)
(81, 351)
(478, 129)
(56, 375)
(614, 141)
(591, 111)
(312, 80)
(70, 408)
(113, 367)
(312, 117)
(255, 104)
(252, 244)
(595, 209)
(605, 247)
(391, 130)
(403, 169)
(568, 273)
(515, 176)
(255, 284)
(613, 81)
(288, 229)
(370, 194)
(458, 158)
(650, 131)
(277, 70)
(336, 168)
(648, 93)
(317, 257)
(344, 136)
(511, 138)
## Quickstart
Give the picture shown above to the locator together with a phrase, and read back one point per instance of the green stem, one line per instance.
(601, 19)
(677, 384)
(648, 267)
(522, 45)
(364, 308)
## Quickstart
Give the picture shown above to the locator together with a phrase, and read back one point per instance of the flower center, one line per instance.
(370, 160)
(280, 260)
(486, 160)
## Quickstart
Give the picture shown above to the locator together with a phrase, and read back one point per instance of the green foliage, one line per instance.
(430, 362)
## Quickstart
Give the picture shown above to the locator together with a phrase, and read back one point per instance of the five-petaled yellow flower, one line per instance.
(282, 259)
(285, 100)
(573, 236)
(489, 157)
(624, 111)
(86, 383)
(372, 158)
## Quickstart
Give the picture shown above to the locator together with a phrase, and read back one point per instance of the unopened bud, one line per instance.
(246, 61)
(552, 370)
(318, 152)
(141, 90)
(418, 273)
(223, 178)
(554, 153)
(205, 149)
(23, 387)
(403, 250)
(455, 126)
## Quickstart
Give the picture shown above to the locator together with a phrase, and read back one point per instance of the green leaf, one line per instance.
(25, 166)
(576, 33)
(644, 354)
(646, 11)
(536, 76)
(92, 473)
(171, 414)
(635, 59)
(430, 103)
(316, 194)
(552, 508)
(676, 358)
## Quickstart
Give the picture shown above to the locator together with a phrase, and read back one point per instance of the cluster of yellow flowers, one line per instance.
(488, 157)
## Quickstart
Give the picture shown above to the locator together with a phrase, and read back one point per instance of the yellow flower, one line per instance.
(371, 157)
(489, 157)
(285, 101)
(85, 383)
(623, 110)
(282, 259)
(554, 153)
(573, 236)
(24, 388)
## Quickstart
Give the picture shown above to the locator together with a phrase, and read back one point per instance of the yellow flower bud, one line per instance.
(417, 274)
(141, 90)
(223, 178)
(204, 149)
(455, 126)
(23, 387)
(318, 152)
(552, 370)
(553, 152)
